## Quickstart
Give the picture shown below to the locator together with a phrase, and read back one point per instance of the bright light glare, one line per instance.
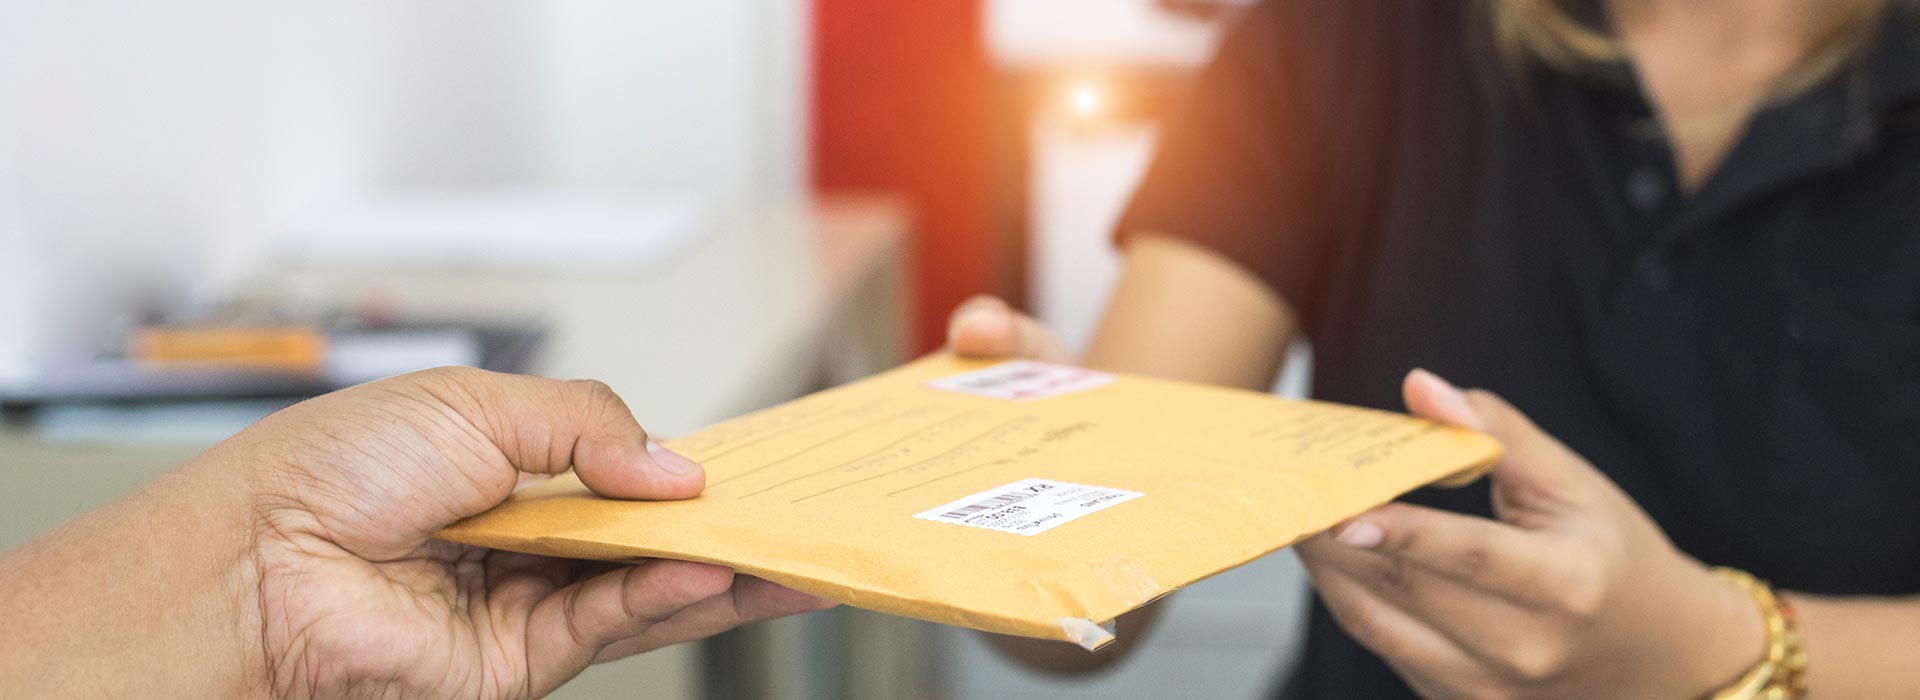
(1087, 99)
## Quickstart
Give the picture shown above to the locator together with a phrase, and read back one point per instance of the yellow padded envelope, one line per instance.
(1017, 497)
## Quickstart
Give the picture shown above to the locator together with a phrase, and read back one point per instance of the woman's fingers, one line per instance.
(983, 326)
(987, 327)
(1410, 645)
(1433, 398)
(1528, 568)
(1537, 473)
(1497, 633)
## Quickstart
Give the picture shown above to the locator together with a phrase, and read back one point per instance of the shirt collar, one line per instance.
(1821, 130)
(1893, 63)
(1818, 131)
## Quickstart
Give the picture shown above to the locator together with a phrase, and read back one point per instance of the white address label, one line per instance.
(1022, 380)
(1028, 507)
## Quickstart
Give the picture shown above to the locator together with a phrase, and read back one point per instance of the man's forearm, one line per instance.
(1860, 648)
(142, 598)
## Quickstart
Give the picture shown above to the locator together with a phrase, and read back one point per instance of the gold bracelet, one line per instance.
(1782, 674)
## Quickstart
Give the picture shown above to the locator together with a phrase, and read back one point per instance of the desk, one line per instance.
(772, 303)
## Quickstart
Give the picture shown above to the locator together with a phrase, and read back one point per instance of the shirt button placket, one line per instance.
(1646, 189)
(1652, 271)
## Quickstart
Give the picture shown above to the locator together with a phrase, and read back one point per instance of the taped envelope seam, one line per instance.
(1085, 633)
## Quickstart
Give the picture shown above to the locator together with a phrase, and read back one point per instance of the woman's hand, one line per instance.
(1572, 592)
(986, 327)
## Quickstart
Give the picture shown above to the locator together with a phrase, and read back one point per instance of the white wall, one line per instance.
(149, 148)
(706, 96)
(17, 278)
(1053, 33)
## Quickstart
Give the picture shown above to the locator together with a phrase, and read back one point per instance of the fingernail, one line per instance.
(969, 316)
(673, 462)
(1360, 534)
(1453, 402)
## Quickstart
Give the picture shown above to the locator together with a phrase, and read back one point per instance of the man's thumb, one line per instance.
(546, 426)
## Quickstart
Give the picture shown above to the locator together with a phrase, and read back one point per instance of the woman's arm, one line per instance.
(1860, 648)
(1180, 311)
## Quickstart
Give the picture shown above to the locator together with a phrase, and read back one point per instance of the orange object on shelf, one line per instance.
(297, 349)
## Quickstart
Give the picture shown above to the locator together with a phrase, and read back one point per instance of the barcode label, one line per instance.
(995, 502)
(1028, 507)
(1022, 380)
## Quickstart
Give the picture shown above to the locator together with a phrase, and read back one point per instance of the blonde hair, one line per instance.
(1545, 32)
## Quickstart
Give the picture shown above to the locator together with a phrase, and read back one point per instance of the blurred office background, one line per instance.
(210, 209)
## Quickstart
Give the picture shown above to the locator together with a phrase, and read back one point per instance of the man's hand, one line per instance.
(355, 598)
(296, 560)
(1572, 592)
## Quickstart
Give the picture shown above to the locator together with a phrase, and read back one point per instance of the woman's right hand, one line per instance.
(986, 327)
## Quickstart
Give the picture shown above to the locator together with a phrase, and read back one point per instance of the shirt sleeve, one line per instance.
(1242, 167)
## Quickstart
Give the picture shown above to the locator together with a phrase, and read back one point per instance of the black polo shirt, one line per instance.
(1743, 360)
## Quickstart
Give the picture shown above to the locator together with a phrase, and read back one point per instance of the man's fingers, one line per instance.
(546, 426)
(985, 327)
(570, 627)
(749, 600)
(384, 466)
(1523, 567)
(517, 582)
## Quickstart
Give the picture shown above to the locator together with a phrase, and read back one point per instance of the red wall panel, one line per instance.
(902, 93)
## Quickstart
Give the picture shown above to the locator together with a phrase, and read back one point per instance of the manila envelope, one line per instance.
(1013, 497)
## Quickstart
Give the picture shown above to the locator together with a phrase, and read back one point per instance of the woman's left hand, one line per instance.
(1572, 592)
